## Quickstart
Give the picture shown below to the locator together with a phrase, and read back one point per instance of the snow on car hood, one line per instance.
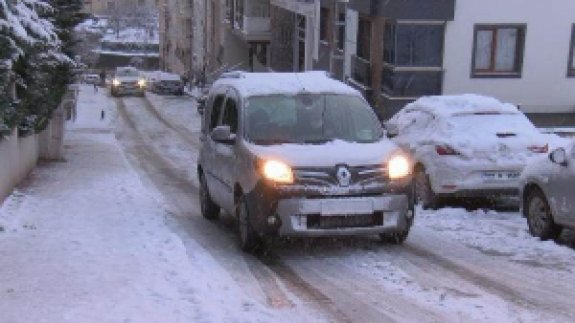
(328, 154)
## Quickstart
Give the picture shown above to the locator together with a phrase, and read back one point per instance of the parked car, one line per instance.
(548, 193)
(128, 80)
(300, 154)
(465, 146)
(166, 83)
(92, 79)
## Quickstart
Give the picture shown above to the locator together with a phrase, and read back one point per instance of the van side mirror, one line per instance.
(559, 156)
(222, 134)
(391, 130)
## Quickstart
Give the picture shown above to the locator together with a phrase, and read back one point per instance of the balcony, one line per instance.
(255, 28)
(361, 71)
(411, 84)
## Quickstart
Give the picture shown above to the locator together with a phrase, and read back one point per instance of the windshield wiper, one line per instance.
(316, 141)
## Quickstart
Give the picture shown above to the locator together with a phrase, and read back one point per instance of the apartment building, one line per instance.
(191, 34)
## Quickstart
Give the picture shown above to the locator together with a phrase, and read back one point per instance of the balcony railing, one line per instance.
(411, 84)
(361, 70)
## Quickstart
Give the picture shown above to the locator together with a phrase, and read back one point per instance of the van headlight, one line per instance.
(116, 82)
(142, 83)
(398, 167)
(277, 171)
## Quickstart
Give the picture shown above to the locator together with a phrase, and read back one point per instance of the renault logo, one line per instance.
(343, 176)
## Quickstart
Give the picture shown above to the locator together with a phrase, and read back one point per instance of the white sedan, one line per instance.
(465, 146)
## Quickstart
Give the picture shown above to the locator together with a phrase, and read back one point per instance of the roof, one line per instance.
(448, 105)
(257, 84)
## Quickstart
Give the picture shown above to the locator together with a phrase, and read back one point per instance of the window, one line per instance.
(413, 45)
(215, 111)
(324, 24)
(230, 117)
(364, 38)
(341, 31)
(498, 50)
(571, 71)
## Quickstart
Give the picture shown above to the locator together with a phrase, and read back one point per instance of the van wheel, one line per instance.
(424, 194)
(249, 241)
(210, 210)
(539, 217)
(396, 238)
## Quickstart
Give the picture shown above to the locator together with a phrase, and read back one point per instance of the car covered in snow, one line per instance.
(300, 154)
(548, 193)
(92, 79)
(128, 80)
(465, 146)
(166, 83)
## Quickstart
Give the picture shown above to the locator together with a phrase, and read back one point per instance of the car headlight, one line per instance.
(398, 167)
(142, 83)
(116, 82)
(277, 171)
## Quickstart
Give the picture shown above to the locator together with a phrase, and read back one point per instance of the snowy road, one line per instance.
(456, 266)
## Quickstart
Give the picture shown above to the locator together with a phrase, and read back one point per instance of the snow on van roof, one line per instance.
(255, 84)
(448, 105)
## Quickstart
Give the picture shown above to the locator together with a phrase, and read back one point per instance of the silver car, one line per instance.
(128, 80)
(300, 154)
(548, 193)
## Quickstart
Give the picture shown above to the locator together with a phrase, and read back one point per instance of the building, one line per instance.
(191, 36)
(518, 51)
(294, 37)
(247, 35)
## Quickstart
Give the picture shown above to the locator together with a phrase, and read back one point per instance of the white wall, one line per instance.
(18, 156)
(544, 85)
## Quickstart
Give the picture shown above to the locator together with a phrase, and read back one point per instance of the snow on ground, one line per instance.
(502, 234)
(85, 241)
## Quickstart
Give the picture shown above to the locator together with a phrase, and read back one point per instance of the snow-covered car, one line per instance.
(166, 83)
(300, 154)
(465, 146)
(92, 79)
(128, 80)
(548, 193)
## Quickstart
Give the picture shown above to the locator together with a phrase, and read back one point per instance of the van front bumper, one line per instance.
(297, 213)
(343, 216)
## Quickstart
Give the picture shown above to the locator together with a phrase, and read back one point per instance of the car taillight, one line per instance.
(539, 149)
(444, 150)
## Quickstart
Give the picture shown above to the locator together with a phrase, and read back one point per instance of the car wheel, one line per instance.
(539, 217)
(248, 238)
(424, 194)
(210, 210)
(396, 238)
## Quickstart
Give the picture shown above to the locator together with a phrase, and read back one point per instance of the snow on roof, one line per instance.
(449, 105)
(256, 84)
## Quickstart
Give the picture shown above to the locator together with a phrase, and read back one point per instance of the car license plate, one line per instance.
(346, 207)
(500, 176)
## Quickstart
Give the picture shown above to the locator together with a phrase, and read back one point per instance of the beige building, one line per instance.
(191, 34)
(106, 7)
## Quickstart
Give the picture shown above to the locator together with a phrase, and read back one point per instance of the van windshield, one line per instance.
(127, 73)
(310, 119)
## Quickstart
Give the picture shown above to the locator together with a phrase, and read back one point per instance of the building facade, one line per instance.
(518, 51)
(191, 36)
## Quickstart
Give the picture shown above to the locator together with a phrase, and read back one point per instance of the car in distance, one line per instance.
(128, 80)
(92, 79)
(300, 154)
(465, 146)
(166, 83)
(548, 193)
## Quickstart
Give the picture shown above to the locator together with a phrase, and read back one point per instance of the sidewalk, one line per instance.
(85, 241)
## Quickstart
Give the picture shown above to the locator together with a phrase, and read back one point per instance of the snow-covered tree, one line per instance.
(32, 61)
